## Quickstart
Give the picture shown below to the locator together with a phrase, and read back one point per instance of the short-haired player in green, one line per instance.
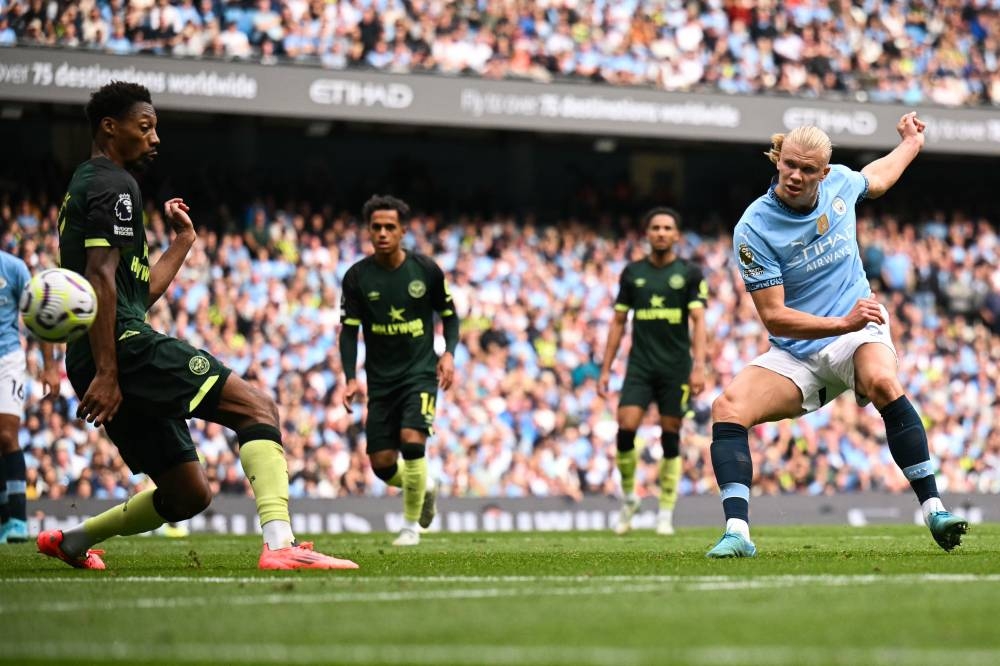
(142, 385)
(393, 295)
(667, 361)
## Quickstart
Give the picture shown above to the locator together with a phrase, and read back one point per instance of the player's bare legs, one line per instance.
(875, 377)
(411, 477)
(181, 492)
(412, 449)
(755, 395)
(253, 415)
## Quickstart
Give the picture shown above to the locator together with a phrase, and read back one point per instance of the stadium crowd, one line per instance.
(909, 51)
(524, 418)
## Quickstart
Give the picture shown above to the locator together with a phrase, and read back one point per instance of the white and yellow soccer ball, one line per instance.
(58, 305)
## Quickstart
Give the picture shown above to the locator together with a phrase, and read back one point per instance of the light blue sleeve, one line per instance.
(755, 258)
(857, 182)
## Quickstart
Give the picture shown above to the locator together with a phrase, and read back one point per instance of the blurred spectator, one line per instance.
(903, 51)
(235, 42)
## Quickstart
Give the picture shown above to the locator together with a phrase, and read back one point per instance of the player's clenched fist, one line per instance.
(865, 311)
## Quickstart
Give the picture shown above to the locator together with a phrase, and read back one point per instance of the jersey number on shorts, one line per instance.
(427, 406)
(17, 390)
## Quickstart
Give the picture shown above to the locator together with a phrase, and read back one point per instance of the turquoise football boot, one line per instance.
(947, 528)
(14, 531)
(732, 545)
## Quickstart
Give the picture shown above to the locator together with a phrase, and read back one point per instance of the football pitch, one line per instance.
(822, 595)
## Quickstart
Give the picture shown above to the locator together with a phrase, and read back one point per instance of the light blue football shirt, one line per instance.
(14, 276)
(814, 255)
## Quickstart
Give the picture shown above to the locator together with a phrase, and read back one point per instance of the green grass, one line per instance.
(814, 595)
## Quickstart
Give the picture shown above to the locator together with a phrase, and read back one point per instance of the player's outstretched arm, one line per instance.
(885, 171)
(786, 322)
(162, 273)
(103, 397)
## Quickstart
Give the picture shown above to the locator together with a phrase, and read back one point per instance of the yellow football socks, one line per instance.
(134, 516)
(265, 466)
(670, 476)
(414, 484)
(626, 467)
(397, 479)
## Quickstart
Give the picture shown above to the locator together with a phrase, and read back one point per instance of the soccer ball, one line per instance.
(58, 305)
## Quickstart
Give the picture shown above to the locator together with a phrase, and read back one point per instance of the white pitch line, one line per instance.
(339, 654)
(596, 586)
(157, 603)
(353, 579)
(493, 655)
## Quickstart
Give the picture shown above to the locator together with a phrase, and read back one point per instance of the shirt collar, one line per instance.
(785, 207)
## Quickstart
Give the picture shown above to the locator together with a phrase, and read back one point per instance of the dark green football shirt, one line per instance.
(661, 299)
(103, 208)
(395, 309)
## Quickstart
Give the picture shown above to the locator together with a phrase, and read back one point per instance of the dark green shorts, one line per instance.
(411, 406)
(163, 381)
(670, 395)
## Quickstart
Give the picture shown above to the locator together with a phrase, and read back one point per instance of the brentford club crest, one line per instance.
(417, 288)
